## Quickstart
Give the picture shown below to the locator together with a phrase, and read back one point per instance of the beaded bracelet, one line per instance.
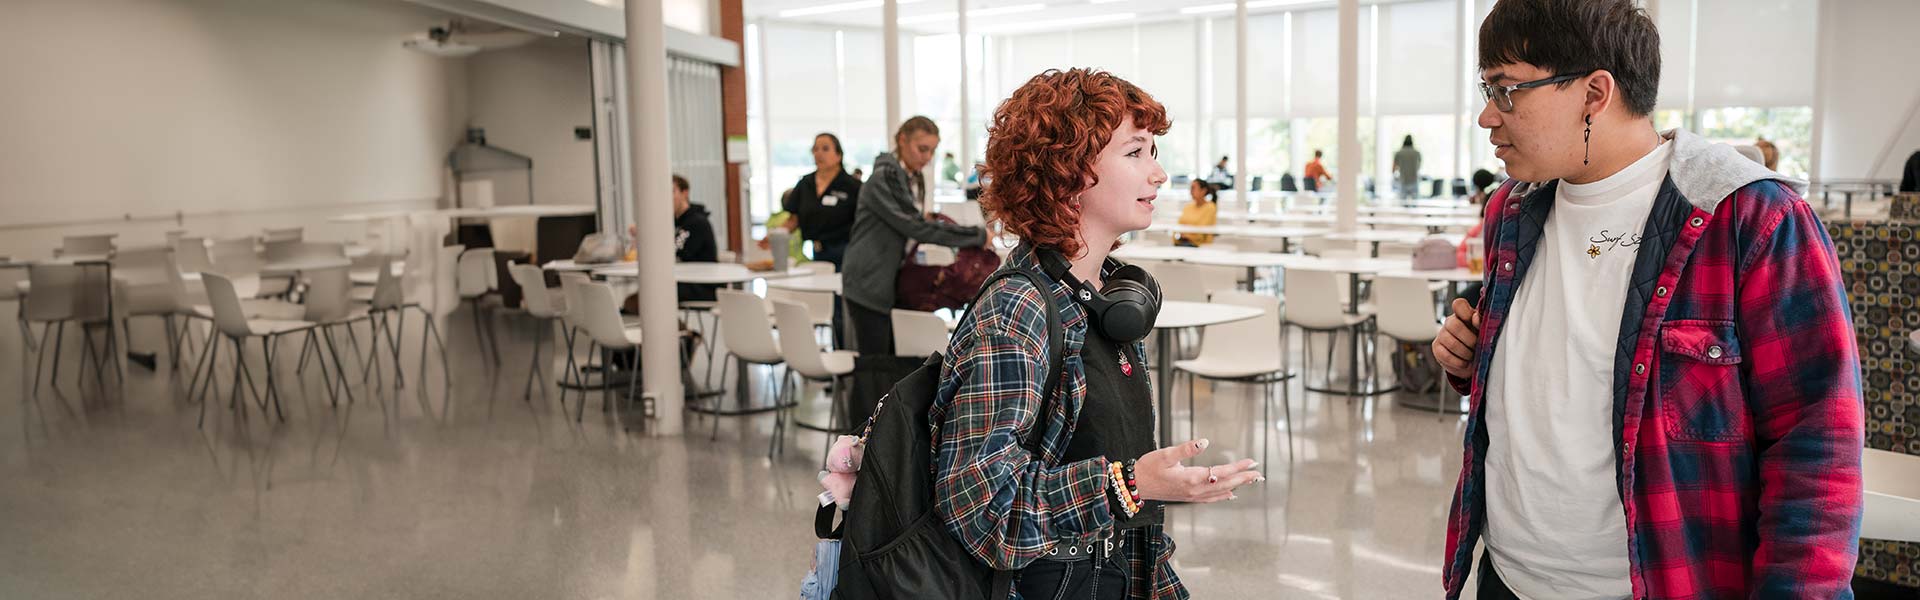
(1124, 489)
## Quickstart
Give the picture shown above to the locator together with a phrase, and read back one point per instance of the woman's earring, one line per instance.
(1588, 141)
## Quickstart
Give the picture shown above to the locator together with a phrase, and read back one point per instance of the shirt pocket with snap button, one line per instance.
(1700, 392)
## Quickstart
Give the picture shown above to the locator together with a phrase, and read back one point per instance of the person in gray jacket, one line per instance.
(889, 214)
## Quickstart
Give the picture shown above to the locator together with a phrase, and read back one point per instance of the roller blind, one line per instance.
(1418, 75)
(1755, 53)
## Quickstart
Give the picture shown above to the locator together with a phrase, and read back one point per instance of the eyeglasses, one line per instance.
(1501, 96)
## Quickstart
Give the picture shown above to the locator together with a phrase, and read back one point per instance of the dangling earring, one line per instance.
(1587, 140)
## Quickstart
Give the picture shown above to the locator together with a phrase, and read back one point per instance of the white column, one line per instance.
(1822, 40)
(1459, 91)
(1202, 94)
(966, 114)
(890, 29)
(653, 208)
(1348, 177)
(1240, 181)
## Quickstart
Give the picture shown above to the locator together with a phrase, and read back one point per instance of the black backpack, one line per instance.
(893, 545)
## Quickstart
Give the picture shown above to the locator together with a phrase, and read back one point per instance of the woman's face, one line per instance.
(1198, 191)
(916, 149)
(825, 157)
(1129, 176)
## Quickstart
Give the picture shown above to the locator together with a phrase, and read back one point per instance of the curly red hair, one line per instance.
(1042, 145)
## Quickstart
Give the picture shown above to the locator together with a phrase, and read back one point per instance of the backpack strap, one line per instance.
(1056, 342)
(1056, 360)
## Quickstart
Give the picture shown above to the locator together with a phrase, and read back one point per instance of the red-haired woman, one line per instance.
(1072, 163)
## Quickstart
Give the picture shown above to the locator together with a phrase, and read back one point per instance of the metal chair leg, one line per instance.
(59, 339)
(340, 366)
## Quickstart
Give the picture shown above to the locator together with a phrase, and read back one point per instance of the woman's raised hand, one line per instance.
(1160, 475)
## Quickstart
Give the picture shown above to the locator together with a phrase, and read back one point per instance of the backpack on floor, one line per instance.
(892, 544)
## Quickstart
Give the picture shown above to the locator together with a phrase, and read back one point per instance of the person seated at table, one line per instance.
(1203, 211)
(692, 239)
(1315, 173)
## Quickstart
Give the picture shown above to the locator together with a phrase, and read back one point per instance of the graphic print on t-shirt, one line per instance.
(1607, 242)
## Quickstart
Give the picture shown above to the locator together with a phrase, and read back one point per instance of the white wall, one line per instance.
(1869, 87)
(529, 99)
(258, 111)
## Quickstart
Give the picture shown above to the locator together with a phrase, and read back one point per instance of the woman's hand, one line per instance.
(1161, 476)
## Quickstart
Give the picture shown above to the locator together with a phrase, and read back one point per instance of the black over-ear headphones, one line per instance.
(1125, 310)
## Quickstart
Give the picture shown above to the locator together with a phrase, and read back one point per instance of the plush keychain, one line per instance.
(843, 466)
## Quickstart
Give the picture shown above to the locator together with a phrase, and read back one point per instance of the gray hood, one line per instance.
(1705, 172)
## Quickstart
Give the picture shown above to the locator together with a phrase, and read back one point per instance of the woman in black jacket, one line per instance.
(824, 201)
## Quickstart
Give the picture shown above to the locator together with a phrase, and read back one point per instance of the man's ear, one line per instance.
(1602, 90)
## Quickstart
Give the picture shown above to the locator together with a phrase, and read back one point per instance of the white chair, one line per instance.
(595, 309)
(231, 320)
(149, 284)
(1181, 282)
(1313, 305)
(570, 283)
(819, 304)
(388, 308)
(1892, 507)
(190, 255)
(545, 306)
(239, 261)
(1252, 351)
(61, 293)
(477, 278)
(917, 333)
(328, 306)
(86, 246)
(1407, 315)
(805, 359)
(285, 234)
(13, 288)
(748, 333)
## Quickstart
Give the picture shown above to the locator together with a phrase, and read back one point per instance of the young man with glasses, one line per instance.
(1664, 383)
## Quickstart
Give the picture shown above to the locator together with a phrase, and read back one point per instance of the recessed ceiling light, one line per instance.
(836, 7)
(1062, 23)
(974, 14)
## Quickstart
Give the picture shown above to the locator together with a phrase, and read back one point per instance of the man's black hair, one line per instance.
(1575, 37)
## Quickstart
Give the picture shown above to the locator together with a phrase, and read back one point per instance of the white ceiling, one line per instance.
(1054, 15)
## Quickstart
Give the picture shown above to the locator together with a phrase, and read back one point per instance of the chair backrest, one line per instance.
(55, 292)
(477, 275)
(745, 329)
(1313, 298)
(143, 266)
(1182, 282)
(285, 234)
(1406, 308)
(534, 296)
(819, 304)
(595, 310)
(10, 278)
(387, 293)
(446, 275)
(277, 250)
(917, 333)
(569, 288)
(1216, 278)
(228, 316)
(1245, 342)
(86, 245)
(236, 257)
(329, 292)
(796, 339)
(190, 254)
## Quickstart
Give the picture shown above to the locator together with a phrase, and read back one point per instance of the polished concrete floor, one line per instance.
(472, 492)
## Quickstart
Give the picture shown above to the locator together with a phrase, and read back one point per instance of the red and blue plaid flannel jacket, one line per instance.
(1003, 503)
(1737, 403)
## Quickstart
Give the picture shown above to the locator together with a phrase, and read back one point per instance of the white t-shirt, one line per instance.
(1555, 526)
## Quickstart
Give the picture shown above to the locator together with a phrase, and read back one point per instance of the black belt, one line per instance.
(1101, 549)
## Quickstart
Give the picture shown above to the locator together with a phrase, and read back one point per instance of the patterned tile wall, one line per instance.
(1879, 260)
